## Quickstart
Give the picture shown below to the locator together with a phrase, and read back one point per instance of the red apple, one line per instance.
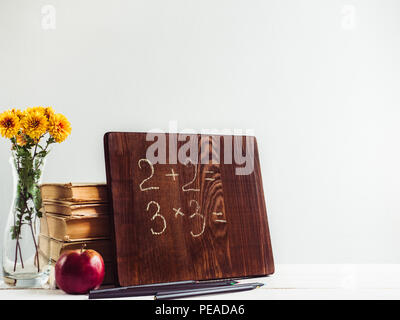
(79, 271)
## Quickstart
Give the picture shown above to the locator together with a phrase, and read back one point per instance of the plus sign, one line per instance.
(172, 174)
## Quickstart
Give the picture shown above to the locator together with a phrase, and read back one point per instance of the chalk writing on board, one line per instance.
(157, 215)
(221, 221)
(185, 187)
(155, 207)
(219, 214)
(210, 179)
(178, 212)
(148, 178)
(197, 213)
(172, 174)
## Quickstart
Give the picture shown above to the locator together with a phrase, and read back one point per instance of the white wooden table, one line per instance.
(288, 282)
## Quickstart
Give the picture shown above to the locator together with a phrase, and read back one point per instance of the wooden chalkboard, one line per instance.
(185, 221)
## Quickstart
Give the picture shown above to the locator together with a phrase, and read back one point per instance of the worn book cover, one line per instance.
(55, 248)
(75, 208)
(75, 228)
(79, 192)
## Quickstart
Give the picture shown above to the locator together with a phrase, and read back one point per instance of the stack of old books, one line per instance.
(76, 216)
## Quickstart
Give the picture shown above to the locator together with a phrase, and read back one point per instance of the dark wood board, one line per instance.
(221, 230)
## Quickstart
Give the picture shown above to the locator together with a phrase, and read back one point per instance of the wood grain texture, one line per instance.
(172, 227)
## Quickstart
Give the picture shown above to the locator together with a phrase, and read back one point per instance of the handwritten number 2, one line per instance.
(148, 178)
(184, 188)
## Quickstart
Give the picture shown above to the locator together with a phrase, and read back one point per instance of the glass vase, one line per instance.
(24, 263)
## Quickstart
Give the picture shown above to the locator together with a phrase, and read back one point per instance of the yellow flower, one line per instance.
(21, 140)
(49, 112)
(35, 109)
(18, 113)
(9, 124)
(34, 123)
(59, 127)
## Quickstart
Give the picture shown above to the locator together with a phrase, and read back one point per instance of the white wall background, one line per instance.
(321, 93)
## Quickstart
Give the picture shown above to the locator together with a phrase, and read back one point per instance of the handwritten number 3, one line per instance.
(148, 178)
(157, 215)
(197, 213)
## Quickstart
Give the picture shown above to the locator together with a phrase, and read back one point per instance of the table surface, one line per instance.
(289, 282)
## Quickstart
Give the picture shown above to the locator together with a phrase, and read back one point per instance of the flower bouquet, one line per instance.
(32, 133)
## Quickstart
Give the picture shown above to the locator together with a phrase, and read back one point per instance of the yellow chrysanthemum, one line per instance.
(59, 127)
(9, 124)
(32, 109)
(49, 112)
(21, 140)
(34, 123)
(18, 113)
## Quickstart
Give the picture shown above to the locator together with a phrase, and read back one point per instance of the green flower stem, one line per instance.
(28, 161)
(36, 247)
(20, 256)
(18, 246)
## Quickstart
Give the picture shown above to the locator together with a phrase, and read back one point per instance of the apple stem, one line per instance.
(83, 246)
